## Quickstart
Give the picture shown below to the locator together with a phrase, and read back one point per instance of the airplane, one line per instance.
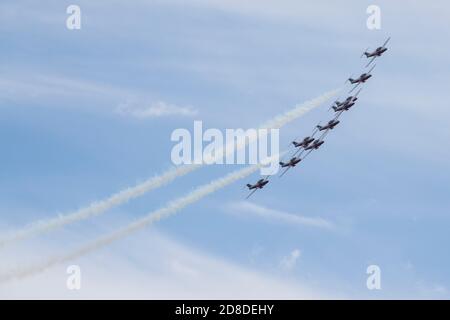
(258, 185)
(304, 143)
(315, 145)
(377, 52)
(346, 104)
(329, 126)
(290, 164)
(361, 79)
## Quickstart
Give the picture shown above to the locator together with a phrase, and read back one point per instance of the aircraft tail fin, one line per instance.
(365, 52)
(281, 163)
(248, 185)
(334, 108)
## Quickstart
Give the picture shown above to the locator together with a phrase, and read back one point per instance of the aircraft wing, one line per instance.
(371, 60)
(385, 43)
(307, 154)
(338, 114)
(285, 170)
(251, 193)
(354, 87)
(324, 135)
(299, 152)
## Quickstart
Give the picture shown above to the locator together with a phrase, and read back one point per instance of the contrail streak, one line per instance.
(99, 207)
(171, 208)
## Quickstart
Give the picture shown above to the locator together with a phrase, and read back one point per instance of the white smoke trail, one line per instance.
(97, 207)
(124, 196)
(171, 208)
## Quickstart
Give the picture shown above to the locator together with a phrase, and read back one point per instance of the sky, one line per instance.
(86, 113)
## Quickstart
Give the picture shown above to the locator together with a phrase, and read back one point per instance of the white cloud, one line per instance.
(432, 290)
(283, 9)
(152, 266)
(19, 86)
(153, 110)
(290, 261)
(245, 207)
(440, 289)
(24, 86)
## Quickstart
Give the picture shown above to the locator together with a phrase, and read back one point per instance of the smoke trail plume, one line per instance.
(128, 194)
(97, 207)
(171, 208)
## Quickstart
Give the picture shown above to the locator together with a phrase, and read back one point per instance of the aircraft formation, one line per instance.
(310, 143)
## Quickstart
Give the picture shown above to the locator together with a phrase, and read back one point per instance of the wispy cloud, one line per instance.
(44, 88)
(171, 208)
(246, 207)
(432, 290)
(290, 261)
(154, 110)
(156, 267)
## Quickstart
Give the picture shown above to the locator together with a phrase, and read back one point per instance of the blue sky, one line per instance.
(380, 180)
